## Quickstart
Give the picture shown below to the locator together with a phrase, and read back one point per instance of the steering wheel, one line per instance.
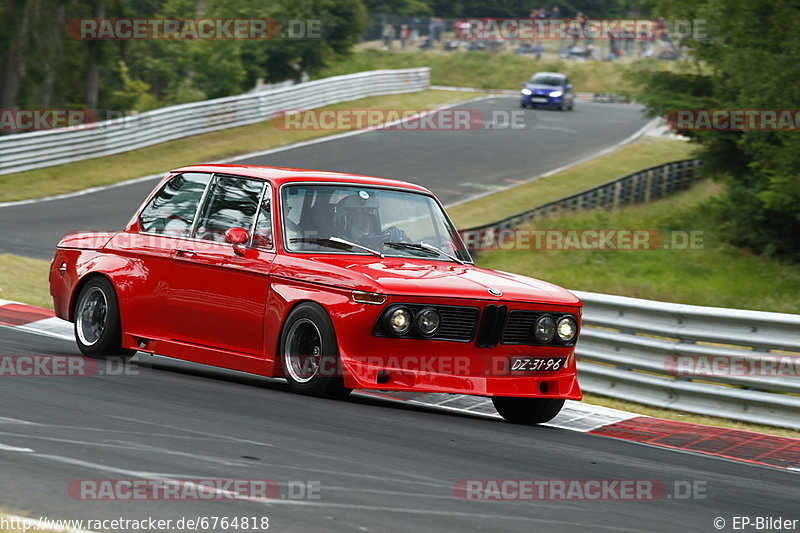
(395, 234)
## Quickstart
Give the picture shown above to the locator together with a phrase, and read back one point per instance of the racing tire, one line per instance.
(310, 353)
(98, 330)
(527, 410)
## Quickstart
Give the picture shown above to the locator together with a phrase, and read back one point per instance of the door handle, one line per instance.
(185, 253)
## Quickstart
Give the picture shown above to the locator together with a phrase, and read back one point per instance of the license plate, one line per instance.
(539, 99)
(537, 364)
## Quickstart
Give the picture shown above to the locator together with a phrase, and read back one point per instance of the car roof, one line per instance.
(281, 175)
(551, 74)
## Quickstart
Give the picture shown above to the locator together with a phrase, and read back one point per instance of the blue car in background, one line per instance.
(548, 89)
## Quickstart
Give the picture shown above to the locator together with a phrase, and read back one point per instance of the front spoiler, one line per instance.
(531, 385)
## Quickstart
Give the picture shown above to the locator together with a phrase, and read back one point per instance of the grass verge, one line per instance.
(643, 153)
(23, 279)
(191, 150)
(711, 273)
(679, 416)
(486, 70)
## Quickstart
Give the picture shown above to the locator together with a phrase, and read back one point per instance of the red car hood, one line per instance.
(401, 276)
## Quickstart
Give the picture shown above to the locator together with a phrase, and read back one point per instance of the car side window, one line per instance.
(172, 210)
(232, 202)
(262, 234)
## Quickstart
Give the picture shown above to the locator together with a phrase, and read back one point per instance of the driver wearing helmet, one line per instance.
(356, 219)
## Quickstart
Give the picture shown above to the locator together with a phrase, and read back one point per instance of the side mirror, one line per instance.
(237, 237)
(569, 87)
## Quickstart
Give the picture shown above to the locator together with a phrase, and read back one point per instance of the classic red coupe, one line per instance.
(332, 281)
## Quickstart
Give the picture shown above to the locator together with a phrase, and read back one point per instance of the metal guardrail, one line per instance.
(737, 364)
(642, 186)
(27, 151)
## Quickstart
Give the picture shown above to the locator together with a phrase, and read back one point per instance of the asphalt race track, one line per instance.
(454, 164)
(377, 465)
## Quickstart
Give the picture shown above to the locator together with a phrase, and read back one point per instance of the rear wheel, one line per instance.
(97, 324)
(310, 353)
(527, 410)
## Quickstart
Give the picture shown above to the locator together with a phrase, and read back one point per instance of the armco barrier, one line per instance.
(642, 186)
(742, 365)
(27, 151)
(737, 364)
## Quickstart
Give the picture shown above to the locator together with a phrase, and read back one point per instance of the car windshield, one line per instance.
(547, 79)
(368, 220)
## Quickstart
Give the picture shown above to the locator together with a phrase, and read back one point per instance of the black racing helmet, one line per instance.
(356, 215)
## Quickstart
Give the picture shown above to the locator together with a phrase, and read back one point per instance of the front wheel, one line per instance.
(527, 410)
(98, 331)
(310, 353)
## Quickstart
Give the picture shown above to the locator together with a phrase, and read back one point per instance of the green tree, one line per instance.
(41, 65)
(399, 7)
(749, 60)
(342, 22)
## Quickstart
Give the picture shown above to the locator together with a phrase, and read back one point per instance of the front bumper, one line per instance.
(542, 101)
(446, 366)
(539, 385)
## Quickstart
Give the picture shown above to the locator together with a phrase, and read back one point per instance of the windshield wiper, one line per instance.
(334, 242)
(423, 246)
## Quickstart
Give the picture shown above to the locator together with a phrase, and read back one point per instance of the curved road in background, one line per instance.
(454, 164)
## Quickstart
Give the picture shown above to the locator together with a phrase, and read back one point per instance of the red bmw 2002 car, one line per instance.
(332, 281)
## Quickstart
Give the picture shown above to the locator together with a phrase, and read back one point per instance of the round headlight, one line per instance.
(526, 92)
(427, 322)
(567, 328)
(545, 329)
(399, 321)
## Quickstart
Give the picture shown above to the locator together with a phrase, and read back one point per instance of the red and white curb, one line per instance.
(743, 446)
(34, 319)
